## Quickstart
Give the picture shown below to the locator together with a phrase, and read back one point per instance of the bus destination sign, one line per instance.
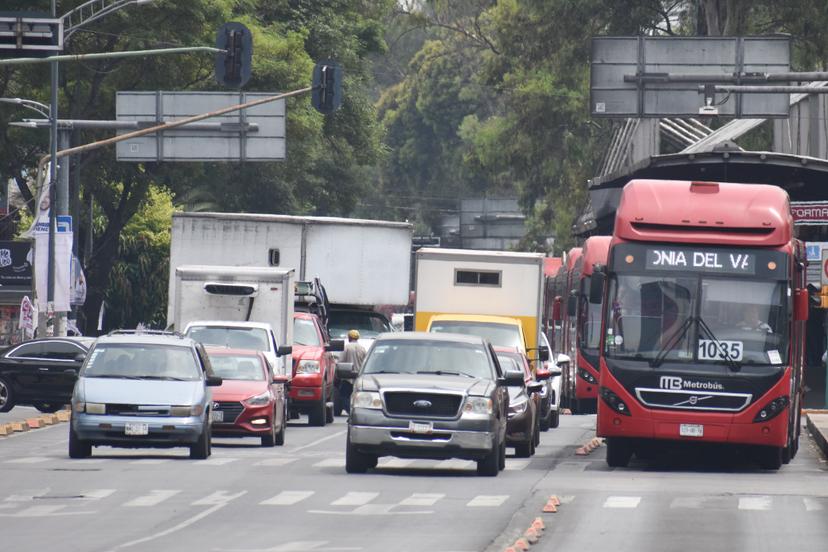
(701, 260)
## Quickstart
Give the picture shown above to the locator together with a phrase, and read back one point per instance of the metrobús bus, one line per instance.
(704, 321)
(565, 342)
(588, 326)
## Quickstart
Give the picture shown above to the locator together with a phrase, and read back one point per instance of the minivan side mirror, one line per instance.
(335, 346)
(284, 350)
(596, 287)
(213, 381)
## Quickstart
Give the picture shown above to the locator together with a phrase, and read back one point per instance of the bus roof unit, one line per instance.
(704, 212)
(596, 250)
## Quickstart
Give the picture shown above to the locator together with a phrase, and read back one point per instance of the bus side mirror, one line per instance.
(596, 287)
(572, 305)
(801, 305)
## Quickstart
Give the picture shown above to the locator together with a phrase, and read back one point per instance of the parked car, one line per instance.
(427, 395)
(314, 365)
(550, 373)
(523, 427)
(143, 389)
(251, 401)
(41, 372)
(257, 336)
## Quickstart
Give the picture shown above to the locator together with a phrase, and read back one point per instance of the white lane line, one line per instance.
(330, 463)
(454, 464)
(38, 511)
(487, 501)
(152, 499)
(422, 499)
(98, 494)
(287, 498)
(354, 499)
(755, 503)
(513, 464)
(322, 440)
(27, 460)
(622, 502)
(275, 462)
(27, 495)
(218, 497)
(812, 505)
(395, 463)
(183, 525)
(215, 462)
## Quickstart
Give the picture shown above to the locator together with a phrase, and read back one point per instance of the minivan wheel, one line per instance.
(201, 449)
(489, 466)
(77, 447)
(6, 396)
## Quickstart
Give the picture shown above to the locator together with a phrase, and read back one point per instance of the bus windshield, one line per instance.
(697, 318)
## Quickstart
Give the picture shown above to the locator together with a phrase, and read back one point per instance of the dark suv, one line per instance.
(427, 395)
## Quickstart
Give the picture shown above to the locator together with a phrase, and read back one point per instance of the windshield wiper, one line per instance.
(671, 342)
(446, 373)
(112, 376)
(384, 372)
(734, 366)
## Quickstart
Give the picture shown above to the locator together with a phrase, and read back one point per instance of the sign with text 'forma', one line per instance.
(658, 58)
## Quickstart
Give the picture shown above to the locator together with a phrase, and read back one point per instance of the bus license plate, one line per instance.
(217, 415)
(420, 427)
(136, 429)
(691, 430)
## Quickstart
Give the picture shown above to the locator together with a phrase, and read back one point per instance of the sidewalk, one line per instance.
(817, 424)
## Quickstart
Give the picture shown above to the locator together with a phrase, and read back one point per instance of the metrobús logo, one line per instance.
(678, 383)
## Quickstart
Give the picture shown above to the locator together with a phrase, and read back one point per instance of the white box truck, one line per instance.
(487, 291)
(362, 263)
(217, 294)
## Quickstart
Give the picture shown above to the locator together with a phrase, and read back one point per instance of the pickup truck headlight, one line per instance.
(308, 367)
(519, 405)
(186, 411)
(258, 400)
(367, 399)
(478, 405)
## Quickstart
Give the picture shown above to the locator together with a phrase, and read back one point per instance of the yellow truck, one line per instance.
(495, 294)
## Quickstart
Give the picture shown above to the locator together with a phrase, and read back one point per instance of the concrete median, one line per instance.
(817, 424)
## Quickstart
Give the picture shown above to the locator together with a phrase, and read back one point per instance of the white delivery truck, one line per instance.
(363, 264)
(213, 296)
(496, 294)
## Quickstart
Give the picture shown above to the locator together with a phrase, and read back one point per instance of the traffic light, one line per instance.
(326, 95)
(233, 65)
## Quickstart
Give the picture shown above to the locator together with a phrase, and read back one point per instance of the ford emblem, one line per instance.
(422, 404)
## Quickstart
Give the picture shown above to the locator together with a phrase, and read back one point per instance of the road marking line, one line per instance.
(622, 502)
(487, 501)
(355, 499)
(812, 505)
(454, 464)
(215, 462)
(755, 503)
(422, 499)
(28, 495)
(152, 499)
(395, 463)
(516, 465)
(275, 462)
(322, 440)
(287, 498)
(218, 497)
(38, 511)
(330, 463)
(184, 524)
(98, 494)
(27, 460)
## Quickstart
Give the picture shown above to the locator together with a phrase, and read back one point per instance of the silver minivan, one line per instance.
(143, 389)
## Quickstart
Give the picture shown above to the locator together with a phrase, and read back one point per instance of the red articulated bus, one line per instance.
(565, 342)
(588, 328)
(704, 320)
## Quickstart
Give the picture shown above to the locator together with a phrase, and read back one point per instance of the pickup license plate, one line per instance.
(420, 427)
(691, 430)
(136, 429)
(217, 415)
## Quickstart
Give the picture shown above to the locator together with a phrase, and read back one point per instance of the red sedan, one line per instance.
(251, 400)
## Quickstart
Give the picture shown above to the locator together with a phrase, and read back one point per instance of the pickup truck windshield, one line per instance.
(499, 335)
(439, 357)
(228, 336)
(142, 362)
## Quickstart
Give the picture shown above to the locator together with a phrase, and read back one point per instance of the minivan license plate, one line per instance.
(420, 427)
(691, 430)
(136, 429)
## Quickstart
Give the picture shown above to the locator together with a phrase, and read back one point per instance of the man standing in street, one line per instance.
(353, 353)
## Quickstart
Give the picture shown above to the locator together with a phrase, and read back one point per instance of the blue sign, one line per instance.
(64, 225)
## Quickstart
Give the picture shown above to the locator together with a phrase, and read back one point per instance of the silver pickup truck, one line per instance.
(426, 395)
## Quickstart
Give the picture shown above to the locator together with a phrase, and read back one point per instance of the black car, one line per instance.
(41, 372)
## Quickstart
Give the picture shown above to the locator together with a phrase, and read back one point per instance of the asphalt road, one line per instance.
(295, 498)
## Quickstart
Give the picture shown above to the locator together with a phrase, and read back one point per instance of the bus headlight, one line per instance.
(771, 410)
(585, 375)
(614, 402)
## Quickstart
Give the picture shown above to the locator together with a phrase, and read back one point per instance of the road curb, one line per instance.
(37, 422)
(816, 432)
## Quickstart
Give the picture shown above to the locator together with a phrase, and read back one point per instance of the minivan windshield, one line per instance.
(228, 336)
(499, 335)
(142, 361)
(429, 357)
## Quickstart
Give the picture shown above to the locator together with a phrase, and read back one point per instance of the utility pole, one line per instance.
(53, 138)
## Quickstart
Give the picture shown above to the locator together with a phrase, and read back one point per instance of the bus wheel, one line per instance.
(619, 452)
(770, 458)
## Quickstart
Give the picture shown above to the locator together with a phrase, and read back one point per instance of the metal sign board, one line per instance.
(30, 34)
(657, 58)
(254, 134)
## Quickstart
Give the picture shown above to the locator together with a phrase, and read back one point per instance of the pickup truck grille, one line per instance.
(422, 404)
